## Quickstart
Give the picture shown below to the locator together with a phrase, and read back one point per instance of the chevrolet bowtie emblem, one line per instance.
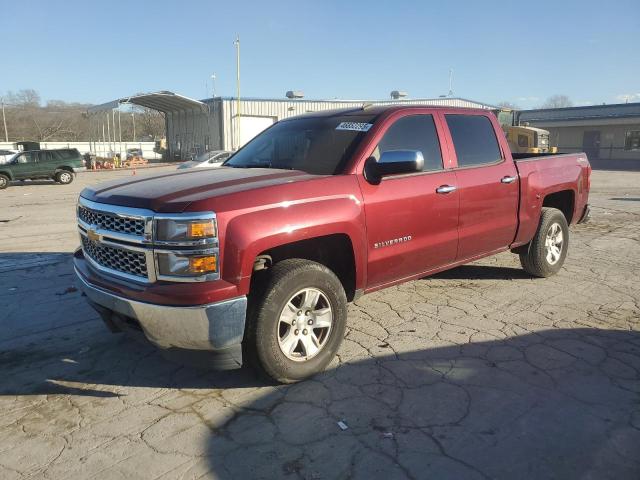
(93, 235)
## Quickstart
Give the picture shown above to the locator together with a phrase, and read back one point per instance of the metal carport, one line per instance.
(181, 133)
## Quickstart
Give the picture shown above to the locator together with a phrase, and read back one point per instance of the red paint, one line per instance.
(258, 209)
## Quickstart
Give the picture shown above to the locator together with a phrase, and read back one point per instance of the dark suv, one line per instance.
(59, 165)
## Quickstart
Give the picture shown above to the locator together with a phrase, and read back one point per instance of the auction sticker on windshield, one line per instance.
(358, 127)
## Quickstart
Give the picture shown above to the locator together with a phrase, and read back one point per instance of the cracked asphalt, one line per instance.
(479, 372)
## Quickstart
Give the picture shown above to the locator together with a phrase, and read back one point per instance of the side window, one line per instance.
(415, 132)
(632, 140)
(221, 157)
(44, 157)
(474, 140)
(523, 141)
(27, 157)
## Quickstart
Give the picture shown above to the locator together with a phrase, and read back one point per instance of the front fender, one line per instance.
(251, 233)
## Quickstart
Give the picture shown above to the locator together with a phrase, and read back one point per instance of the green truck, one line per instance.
(59, 165)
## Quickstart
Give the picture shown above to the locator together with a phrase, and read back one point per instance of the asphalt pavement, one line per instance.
(479, 372)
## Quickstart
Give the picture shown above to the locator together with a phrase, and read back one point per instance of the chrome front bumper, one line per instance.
(212, 327)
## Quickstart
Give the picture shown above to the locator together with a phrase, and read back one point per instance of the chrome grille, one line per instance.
(125, 261)
(113, 223)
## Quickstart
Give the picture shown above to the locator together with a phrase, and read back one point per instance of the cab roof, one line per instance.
(376, 110)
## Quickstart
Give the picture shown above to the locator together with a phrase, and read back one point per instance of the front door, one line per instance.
(591, 144)
(410, 227)
(488, 185)
(25, 165)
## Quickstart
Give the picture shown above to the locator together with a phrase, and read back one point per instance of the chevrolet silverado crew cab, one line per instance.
(59, 165)
(257, 260)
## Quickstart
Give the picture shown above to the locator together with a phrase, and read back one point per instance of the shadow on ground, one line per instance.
(561, 403)
(482, 272)
(555, 404)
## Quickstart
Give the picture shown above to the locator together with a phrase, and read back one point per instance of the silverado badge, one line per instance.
(394, 241)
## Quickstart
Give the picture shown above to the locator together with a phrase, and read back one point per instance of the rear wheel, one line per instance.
(64, 177)
(4, 182)
(296, 320)
(547, 250)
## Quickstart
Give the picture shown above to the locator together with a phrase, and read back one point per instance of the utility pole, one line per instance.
(4, 120)
(119, 133)
(451, 82)
(213, 87)
(238, 113)
(133, 116)
(109, 135)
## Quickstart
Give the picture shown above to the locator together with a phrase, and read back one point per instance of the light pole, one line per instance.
(133, 116)
(238, 113)
(4, 120)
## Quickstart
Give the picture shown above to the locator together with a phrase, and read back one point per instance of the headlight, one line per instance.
(186, 247)
(193, 230)
(187, 264)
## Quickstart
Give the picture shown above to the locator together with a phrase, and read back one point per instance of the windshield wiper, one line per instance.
(263, 165)
(252, 165)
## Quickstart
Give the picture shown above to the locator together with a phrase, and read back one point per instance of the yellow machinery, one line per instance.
(523, 138)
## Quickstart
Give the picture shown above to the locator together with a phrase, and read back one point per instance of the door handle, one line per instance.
(508, 179)
(446, 189)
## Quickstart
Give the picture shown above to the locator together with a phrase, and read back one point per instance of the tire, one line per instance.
(286, 294)
(64, 177)
(4, 181)
(541, 259)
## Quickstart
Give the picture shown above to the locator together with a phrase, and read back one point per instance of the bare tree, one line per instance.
(23, 98)
(508, 104)
(557, 101)
(57, 121)
(149, 123)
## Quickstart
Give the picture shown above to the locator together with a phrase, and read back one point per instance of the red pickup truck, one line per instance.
(257, 260)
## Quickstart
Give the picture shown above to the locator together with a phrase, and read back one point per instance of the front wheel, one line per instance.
(64, 177)
(4, 182)
(547, 251)
(296, 320)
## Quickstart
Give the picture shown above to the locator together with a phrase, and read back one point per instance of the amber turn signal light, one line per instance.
(202, 229)
(203, 264)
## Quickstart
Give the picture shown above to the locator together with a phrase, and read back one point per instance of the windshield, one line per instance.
(317, 145)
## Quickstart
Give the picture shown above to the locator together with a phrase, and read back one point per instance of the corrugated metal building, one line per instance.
(223, 123)
(609, 134)
(219, 127)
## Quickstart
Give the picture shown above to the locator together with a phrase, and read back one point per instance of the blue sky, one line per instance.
(90, 51)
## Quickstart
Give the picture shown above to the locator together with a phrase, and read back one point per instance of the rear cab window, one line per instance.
(474, 140)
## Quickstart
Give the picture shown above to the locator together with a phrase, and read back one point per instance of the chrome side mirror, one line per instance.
(393, 162)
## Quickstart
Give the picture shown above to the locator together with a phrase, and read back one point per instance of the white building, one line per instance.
(224, 123)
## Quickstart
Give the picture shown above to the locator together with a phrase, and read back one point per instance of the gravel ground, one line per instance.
(480, 372)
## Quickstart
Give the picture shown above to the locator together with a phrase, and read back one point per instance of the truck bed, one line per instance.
(564, 176)
(527, 156)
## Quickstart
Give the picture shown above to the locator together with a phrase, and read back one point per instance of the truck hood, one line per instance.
(173, 192)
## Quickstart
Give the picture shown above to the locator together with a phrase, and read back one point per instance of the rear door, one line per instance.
(410, 228)
(487, 183)
(45, 166)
